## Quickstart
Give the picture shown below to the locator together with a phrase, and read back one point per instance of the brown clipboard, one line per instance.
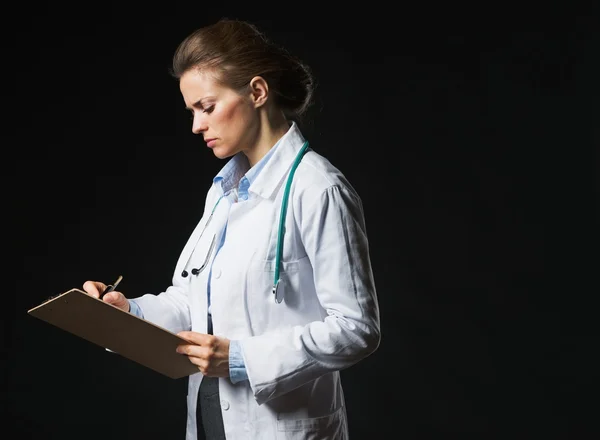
(116, 330)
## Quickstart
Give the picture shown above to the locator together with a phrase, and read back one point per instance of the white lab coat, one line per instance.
(328, 319)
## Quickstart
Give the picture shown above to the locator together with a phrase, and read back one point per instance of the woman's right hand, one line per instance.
(117, 299)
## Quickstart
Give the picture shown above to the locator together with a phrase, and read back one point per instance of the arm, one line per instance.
(334, 236)
(170, 309)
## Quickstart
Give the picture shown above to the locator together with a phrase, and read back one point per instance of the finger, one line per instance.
(193, 351)
(195, 337)
(93, 288)
(202, 366)
(187, 350)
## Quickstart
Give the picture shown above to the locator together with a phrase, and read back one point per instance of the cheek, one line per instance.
(234, 118)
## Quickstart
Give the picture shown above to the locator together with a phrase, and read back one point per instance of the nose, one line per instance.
(199, 124)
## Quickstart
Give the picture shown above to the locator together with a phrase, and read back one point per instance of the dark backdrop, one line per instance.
(455, 126)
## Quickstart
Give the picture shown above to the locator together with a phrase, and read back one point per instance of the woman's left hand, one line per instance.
(210, 353)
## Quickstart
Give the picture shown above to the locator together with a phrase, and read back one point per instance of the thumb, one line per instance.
(117, 299)
(112, 297)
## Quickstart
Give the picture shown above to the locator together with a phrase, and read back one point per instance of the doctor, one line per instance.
(274, 289)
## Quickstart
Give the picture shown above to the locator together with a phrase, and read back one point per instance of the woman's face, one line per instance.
(228, 121)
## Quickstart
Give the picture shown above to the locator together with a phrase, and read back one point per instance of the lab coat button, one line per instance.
(184, 274)
(225, 405)
(218, 273)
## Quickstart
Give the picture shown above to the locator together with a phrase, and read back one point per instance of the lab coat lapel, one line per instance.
(273, 175)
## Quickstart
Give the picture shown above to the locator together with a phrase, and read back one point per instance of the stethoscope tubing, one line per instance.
(281, 228)
(281, 231)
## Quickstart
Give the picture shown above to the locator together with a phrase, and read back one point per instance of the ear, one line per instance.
(259, 91)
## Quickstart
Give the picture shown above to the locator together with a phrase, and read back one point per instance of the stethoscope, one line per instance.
(281, 230)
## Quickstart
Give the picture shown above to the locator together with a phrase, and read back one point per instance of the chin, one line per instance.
(220, 154)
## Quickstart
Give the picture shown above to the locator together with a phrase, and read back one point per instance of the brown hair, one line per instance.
(237, 51)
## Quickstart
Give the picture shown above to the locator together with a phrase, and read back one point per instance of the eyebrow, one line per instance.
(198, 103)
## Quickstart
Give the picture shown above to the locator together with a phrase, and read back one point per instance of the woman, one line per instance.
(274, 290)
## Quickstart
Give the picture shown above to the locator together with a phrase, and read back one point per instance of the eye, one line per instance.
(209, 109)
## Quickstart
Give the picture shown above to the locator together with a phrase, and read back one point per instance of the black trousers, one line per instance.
(208, 411)
(209, 419)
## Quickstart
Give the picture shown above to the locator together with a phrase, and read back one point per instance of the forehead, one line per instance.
(198, 84)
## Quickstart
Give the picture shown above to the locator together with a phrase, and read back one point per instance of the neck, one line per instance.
(273, 125)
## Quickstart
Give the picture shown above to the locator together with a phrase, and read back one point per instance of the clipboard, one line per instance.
(116, 330)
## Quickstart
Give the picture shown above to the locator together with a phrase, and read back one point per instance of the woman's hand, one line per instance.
(210, 353)
(117, 299)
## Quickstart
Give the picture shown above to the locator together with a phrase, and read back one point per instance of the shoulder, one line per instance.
(316, 177)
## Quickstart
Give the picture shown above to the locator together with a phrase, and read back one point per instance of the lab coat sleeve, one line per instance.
(334, 236)
(170, 309)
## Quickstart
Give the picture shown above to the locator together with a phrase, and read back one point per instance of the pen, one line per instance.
(111, 287)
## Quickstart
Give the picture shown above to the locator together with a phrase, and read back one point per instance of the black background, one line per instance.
(457, 125)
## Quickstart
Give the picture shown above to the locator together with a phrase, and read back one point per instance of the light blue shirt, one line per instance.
(226, 179)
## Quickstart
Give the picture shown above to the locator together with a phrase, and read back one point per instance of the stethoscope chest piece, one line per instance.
(277, 291)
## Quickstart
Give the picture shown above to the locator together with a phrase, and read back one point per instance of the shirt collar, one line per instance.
(263, 178)
(232, 172)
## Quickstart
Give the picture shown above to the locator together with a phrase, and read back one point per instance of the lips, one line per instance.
(210, 142)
